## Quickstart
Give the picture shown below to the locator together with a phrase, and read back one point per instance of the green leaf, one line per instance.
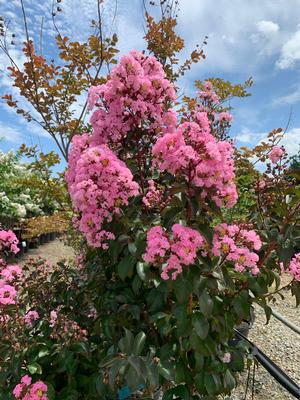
(125, 267)
(206, 304)
(199, 382)
(109, 360)
(181, 391)
(241, 304)
(43, 352)
(50, 391)
(126, 343)
(170, 215)
(136, 284)
(229, 381)
(132, 379)
(138, 344)
(139, 365)
(114, 370)
(34, 368)
(182, 290)
(295, 289)
(141, 269)
(132, 248)
(237, 361)
(165, 372)
(212, 383)
(200, 324)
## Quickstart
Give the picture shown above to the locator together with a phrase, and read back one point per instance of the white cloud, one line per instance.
(10, 133)
(267, 28)
(291, 98)
(291, 141)
(249, 137)
(229, 26)
(290, 52)
(249, 26)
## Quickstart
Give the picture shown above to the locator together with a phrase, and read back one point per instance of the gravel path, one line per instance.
(53, 251)
(281, 344)
(277, 341)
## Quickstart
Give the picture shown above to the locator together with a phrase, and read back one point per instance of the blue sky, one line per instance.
(245, 38)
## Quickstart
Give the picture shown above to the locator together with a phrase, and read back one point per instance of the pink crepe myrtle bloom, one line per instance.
(172, 251)
(21, 389)
(225, 117)
(11, 273)
(192, 152)
(31, 316)
(99, 184)
(8, 241)
(275, 154)
(53, 318)
(153, 196)
(26, 390)
(7, 295)
(2, 282)
(38, 391)
(157, 245)
(293, 267)
(208, 93)
(136, 95)
(237, 245)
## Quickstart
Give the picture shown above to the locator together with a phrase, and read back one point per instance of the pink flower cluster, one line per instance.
(275, 154)
(208, 94)
(153, 196)
(136, 95)
(8, 294)
(11, 273)
(30, 317)
(9, 276)
(80, 143)
(53, 318)
(237, 244)
(99, 184)
(293, 268)
(26, 390)
(193, 152)
(174, 252)
(8, 242)
(225, 117)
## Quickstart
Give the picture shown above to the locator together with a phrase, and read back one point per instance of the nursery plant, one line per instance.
(166, 277)
(180, 237)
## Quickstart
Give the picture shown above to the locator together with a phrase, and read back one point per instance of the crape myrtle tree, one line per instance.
(151, 187)
(168, 271)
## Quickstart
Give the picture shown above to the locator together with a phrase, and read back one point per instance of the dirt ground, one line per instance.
(53, 251)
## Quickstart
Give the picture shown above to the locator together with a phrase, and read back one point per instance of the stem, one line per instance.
(279, 290)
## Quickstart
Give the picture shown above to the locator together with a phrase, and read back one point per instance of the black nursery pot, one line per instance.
(52, 235)
(42, 238)
(35, 243)
(47, 237)
(32, 244)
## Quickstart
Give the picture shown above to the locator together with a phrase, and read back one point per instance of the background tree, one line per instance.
(52, 87)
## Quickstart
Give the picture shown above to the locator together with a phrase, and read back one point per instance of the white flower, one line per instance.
(24, 197)
(226, 358)
(20, 210)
